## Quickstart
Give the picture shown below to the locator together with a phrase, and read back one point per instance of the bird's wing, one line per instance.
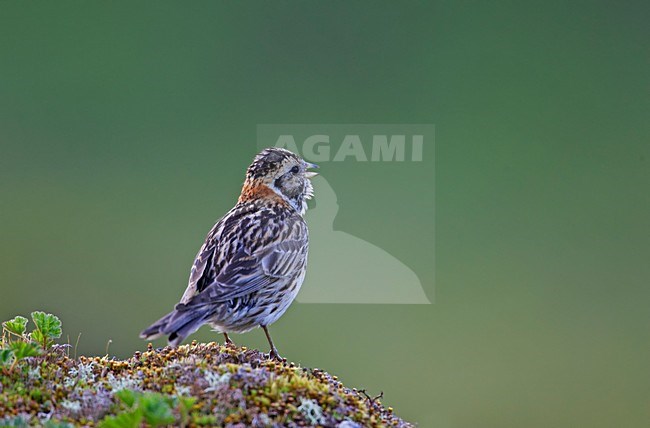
(249, 271)
(201, 269)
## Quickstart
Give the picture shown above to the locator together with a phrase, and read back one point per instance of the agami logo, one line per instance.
(385, 148)
(344, 268)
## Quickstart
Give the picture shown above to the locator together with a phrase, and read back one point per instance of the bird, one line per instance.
(254, 259)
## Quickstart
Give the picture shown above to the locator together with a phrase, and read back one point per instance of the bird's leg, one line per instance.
(274, 352)
(228, 341)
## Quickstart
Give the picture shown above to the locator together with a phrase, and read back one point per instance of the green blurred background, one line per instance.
(125, 129)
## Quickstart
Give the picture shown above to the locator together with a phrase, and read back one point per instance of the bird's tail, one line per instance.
(178, 324)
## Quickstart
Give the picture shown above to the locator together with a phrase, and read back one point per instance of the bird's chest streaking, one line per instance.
(251, 265)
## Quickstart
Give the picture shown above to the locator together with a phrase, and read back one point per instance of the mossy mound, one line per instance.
(192, 385)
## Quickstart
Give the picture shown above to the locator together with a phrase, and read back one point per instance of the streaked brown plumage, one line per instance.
(253, 261)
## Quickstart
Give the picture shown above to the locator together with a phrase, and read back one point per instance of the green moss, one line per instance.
(201, 384)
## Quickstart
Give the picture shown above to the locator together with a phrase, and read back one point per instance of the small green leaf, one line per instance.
(16, 325)
(127, 397)
(24, 349)
(39, 338)
(186, 403)
(131, 419)
(156, 409)
(7, 357)
(18, 421)
(185, 407)
(48, 328)
(54, 424)
(48, 324)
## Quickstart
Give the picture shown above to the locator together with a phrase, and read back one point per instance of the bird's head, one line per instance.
(284, 173)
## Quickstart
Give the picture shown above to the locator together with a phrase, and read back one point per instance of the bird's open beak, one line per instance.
(311, 174)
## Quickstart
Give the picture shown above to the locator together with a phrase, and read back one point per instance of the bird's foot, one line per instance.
(274, 355)
(229, 343)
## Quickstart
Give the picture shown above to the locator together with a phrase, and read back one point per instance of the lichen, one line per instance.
(201, 384)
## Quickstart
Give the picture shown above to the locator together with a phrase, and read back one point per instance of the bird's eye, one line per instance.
(295, 169)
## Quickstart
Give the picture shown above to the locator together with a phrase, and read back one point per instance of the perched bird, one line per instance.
(253, 261)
